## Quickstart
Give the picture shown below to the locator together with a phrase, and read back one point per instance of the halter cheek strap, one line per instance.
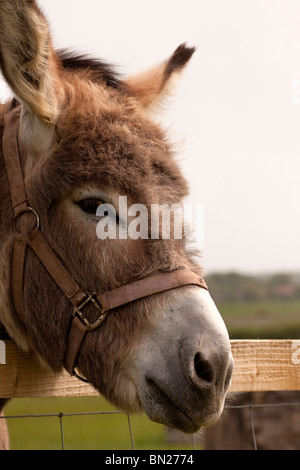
(34, 238)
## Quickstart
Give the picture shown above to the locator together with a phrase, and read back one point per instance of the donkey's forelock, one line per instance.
(90, 68)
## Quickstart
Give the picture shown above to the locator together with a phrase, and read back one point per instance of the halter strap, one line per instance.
(35, 239)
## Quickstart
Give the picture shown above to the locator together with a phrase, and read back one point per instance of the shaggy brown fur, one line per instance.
(82, 128)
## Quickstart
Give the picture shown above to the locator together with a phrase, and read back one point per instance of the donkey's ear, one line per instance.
(151, 87)
(27, 58)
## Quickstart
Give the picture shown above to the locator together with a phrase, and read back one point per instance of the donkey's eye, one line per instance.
(89, 205)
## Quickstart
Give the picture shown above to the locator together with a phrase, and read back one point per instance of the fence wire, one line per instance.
(252, 406)
(61, 416)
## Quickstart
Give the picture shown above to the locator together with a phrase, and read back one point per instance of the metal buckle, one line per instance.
(89, 326)
(28, 209)
(78, 312)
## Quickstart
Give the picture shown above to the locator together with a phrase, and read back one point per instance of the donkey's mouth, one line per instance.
(161, 408)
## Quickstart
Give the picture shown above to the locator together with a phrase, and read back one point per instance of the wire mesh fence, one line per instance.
(258, 421)
(61, 416)
(251, 407)
(249, 422)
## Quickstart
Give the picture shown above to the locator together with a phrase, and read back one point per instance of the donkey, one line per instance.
(83, 137)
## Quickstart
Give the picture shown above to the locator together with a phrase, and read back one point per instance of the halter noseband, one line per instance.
(34, 238)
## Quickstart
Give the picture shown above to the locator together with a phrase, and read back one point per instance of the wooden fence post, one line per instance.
(260, 365)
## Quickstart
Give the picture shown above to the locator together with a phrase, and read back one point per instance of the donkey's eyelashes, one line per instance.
(89, 205)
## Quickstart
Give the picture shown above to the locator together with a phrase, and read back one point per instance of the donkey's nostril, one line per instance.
(203, 368)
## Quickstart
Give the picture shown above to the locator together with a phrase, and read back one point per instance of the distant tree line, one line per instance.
(237, 286)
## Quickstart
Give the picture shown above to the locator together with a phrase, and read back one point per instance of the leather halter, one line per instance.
(34, 238)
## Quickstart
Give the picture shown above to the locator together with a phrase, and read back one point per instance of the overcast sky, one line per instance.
(237, 107)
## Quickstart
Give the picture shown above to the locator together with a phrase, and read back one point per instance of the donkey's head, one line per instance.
(85, 138)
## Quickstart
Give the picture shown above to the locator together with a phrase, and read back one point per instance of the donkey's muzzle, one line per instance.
(187, 364)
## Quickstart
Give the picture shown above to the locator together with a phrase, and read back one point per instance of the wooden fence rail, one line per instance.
(260, 365)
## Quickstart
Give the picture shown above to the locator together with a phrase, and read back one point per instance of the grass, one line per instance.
(272, 319)
(94, 432)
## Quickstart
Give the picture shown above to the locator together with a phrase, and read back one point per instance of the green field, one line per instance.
(268, 319)
(93, 432)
